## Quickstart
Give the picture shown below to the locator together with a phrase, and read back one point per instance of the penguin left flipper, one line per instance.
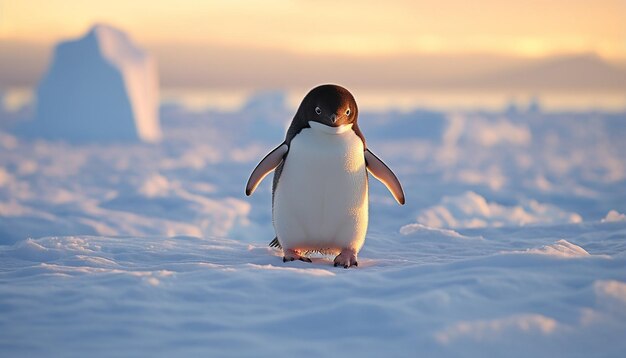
(382, 172)
(269, 163)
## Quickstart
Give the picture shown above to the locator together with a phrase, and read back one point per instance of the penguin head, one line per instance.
(330, 105)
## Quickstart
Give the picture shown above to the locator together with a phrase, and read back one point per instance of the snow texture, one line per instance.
(99, 87)
(504, 247)
(471, 210)
(613, 216)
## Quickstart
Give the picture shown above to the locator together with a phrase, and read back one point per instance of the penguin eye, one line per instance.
(318, 110)
(348, 112)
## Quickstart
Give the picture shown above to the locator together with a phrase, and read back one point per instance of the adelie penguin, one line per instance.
(320, 189)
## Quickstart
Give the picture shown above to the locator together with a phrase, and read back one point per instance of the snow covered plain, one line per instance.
(512, 242)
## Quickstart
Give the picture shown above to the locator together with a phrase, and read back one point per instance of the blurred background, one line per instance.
(516, 106)
(403, 54)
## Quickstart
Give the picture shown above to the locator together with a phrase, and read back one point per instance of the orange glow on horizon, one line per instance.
(526, 28)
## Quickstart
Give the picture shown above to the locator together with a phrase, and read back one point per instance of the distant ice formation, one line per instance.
(100, 87)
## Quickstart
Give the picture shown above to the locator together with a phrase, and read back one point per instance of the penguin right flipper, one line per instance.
(382, 172)
(269, 163)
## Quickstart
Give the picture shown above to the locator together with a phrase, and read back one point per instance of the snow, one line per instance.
(512, 241)
(561, 248)
(612, 290)
(613, 216)
(187, 295)
(482, 330)
(470, 210)
(99, 87)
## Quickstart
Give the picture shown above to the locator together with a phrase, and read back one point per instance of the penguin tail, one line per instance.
(275, 243)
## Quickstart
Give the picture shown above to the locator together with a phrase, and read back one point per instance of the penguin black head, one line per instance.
(331, 105)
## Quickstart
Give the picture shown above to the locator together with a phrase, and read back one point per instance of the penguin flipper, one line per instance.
(269, 163)
(382, 172)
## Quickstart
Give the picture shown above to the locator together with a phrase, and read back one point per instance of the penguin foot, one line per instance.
(346, 258)
(291, 255)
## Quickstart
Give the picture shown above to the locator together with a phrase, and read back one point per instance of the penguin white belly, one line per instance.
(321, 198)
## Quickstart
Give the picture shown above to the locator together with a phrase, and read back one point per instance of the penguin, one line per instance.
(320, 187)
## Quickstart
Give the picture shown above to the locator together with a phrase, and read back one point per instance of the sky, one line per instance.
(365, 27)
(284, 44)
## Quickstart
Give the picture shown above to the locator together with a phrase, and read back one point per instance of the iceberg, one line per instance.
(100, 87)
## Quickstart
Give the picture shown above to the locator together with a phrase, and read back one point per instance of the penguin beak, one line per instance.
(333, 118)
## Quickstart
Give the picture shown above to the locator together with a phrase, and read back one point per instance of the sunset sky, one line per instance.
(365, 27)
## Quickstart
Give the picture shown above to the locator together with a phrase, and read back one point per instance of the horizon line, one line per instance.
(151, 45)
